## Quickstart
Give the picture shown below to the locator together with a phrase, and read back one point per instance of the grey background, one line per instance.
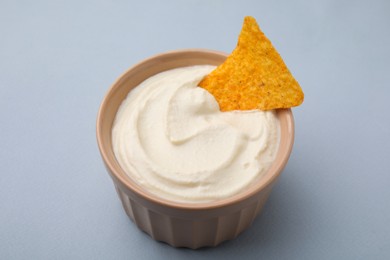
(57, 60)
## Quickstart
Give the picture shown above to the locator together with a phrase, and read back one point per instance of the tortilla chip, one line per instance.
(253, 76)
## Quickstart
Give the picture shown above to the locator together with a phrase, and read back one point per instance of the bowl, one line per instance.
(191, 225)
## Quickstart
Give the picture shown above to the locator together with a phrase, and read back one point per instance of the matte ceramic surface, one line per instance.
(184, 224)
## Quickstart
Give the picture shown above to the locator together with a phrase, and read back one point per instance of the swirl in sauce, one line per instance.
(170, 137)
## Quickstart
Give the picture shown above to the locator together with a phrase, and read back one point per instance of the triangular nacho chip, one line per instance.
(253, 76)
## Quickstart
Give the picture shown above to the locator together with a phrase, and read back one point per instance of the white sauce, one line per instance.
(170, 137)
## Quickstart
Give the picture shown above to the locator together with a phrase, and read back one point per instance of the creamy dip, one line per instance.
(170, 137)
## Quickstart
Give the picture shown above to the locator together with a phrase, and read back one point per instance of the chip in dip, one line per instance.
(254, 75)
(170, 137)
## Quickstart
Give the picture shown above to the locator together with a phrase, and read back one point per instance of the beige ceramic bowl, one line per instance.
(181, 224)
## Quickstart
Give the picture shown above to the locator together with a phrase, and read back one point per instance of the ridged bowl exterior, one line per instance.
(184, 224)
(192, 232)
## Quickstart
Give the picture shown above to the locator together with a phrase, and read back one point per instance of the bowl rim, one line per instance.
(126, 181)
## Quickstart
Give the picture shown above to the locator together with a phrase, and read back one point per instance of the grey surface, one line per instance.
(57, 60)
